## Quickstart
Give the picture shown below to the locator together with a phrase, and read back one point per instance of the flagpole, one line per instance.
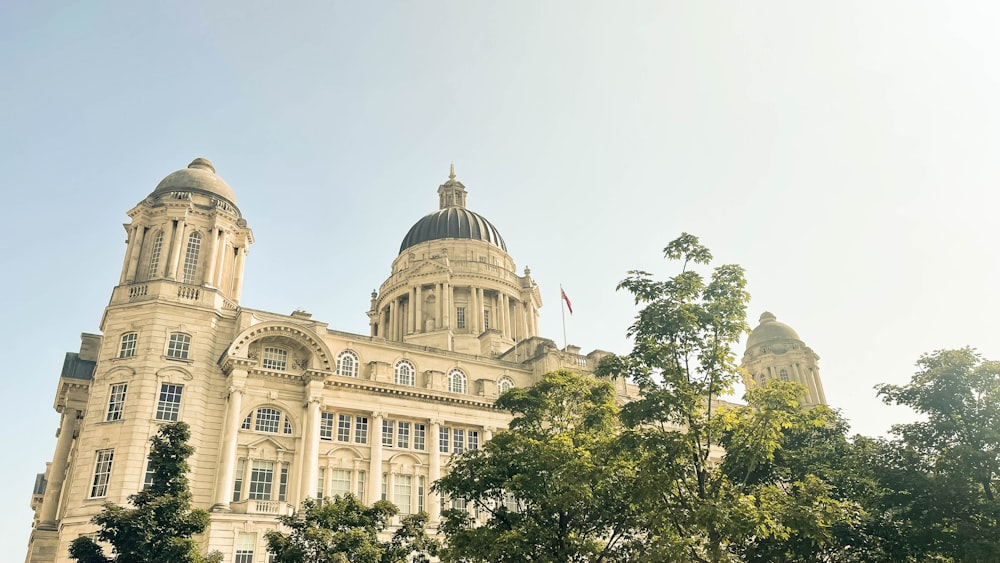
(562, 307)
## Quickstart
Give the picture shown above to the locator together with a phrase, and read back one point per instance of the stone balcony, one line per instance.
(268, 507)
(174, 292)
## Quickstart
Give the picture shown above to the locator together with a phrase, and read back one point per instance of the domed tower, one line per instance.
(453, 285)
(775, 351)
(189, 232)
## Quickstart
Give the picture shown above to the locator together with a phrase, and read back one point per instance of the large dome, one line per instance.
(770, 329)
(452, 222)
(199, 176)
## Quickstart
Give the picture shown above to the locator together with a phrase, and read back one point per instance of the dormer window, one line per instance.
(275, 358)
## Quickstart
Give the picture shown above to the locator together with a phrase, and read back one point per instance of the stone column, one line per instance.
(487, 434)
(175, 249)
(474, 311)
(134, 252)
(57, 471)
(241, 254)
(375, 468)
(310, 440)
(418, 307)
(434, 472)
(247, 473)
(440, 307)
(221, 269)
(213, 256)
(227, 450)
(447, 305)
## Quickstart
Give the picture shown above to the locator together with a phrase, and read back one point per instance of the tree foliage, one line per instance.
(552, 487)
(343, 530)
(694, 500)
(159, 526)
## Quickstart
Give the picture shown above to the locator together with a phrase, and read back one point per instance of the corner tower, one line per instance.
(775, 351)
(453, 286)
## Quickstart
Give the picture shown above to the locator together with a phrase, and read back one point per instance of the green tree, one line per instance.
(940, 474)
(343, 530)
(159, 527)
(552, 487)
(691, 506)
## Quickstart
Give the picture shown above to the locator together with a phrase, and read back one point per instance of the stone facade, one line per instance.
(282, 407)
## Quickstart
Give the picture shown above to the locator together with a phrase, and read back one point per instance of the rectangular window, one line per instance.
(178, 346)
(191, 258)
(326, 425)
(261, 477)
(460, 317)
(102, 473)
(147, 479)
(267, 420)
(116, 402)
(241, 466)
(169, 405)
(344, 428)
(473, 439)
(404, 493)
(458, 442)
(403, 435)
(486, 319)
(320, 482)
(127, 349)
(275, 358)
(362, 481)
(340, 482)
(361, 430)
(283, 482)
(444, 439)
(387, 427)
(421, 488)
(419, 436)
(245, 544)
(385, 485)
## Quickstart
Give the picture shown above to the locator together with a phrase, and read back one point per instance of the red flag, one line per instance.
(566, 299)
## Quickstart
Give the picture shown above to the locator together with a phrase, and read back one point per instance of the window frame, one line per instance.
(458, 382)
(117, 392)
(274, 358)
(178, 346)
(127, 345)
(355, 361)
(169, 411)
(407, 376)
(103, 464)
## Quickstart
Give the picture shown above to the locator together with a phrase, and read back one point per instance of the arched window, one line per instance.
(405, 373)
(267, 419)
(347, 363)
(191, 257)
(178, 346)
(275, 358)
(505, 384)
(128, 342)
(154, 254)
(457, 382)
(783, 375)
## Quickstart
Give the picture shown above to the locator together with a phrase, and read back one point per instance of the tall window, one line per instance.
(347, 364)
(326, 425)
(128, 342)
(387, 428)
(178, 346)
(169, 404)
(457, 382)
(419, 436)
(241, 466)
(147, 479)
(460, 317)
(486, 319)
(344, 428)
(116, 402)
(421, 487)
(473, 440)
(340, 482)
(505, 384)
(275, 358)
(362, 479)
(320, 481)
(244, 548)
(403, 493)
(283, 482)
(361, 430)
(783, 375)
(191, 257)
(261, 477)
(405, 373)
(154, 254)
(102, 473)
(458, 441)
(403, 435)
(444, 439)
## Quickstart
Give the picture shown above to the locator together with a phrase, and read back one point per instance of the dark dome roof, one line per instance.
(452, 222)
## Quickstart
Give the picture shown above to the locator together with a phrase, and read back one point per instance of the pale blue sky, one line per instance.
(845, 153)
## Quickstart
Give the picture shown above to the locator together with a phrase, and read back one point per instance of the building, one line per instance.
(282, 407)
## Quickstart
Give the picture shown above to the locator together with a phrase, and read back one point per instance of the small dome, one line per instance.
(453, 222)
(199, 176)
(770, 329)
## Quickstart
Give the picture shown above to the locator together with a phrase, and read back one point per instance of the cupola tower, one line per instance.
(775, 351)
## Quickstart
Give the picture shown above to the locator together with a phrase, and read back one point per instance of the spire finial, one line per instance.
(451, 175)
